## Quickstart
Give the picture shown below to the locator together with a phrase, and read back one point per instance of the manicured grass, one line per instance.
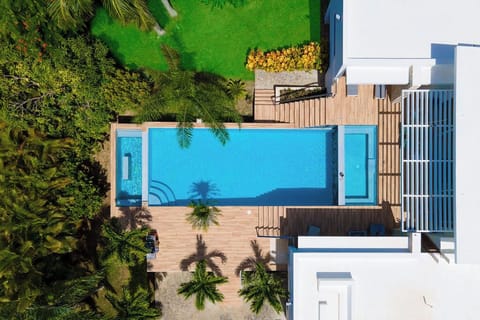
(215, 40)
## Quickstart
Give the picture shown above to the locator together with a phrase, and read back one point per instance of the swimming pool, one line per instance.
(129, 168)
(256, 167)
(278, 167)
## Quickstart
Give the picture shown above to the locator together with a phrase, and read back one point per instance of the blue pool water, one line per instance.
(256, 167)
(129, 168)
(360, 165)
(356, 165)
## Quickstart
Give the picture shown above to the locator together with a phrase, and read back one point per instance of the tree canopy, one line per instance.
(58, 93)
(203, 286)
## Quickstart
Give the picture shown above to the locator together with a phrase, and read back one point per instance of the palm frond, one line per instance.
(171, 56)
(203, 285)
(260, 287)
(184, 133)
(119, 9)
(68, 14)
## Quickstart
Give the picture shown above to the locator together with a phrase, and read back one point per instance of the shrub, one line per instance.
(305, 57)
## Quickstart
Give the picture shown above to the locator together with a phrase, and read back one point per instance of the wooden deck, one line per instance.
(341, 109)
(288, 222)
(180, 246)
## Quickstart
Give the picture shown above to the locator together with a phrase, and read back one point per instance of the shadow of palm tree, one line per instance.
(203, 254)
(258, 257)
(203, 190)
(132, 217)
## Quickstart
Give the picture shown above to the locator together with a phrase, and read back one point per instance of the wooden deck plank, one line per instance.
(363, 109)
(232, 237)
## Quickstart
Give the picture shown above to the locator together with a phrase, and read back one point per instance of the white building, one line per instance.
(408, 42)
(429, 48)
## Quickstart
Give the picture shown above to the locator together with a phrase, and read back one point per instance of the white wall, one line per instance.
(467, 154)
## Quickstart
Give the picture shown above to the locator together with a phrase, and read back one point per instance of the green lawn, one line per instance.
(215, 40)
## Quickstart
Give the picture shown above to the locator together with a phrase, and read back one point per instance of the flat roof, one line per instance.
(467, 154)
(401, 42)
(409, 29)
(383, 286)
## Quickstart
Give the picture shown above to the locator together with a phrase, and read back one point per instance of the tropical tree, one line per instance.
(133, 305)
(36, 230)
(203, 285)
(129, 246)
(71, 15)
(65, 300)
(259, 287)
(250, 263)
(187, 96)
(203, 215)
(202, 253)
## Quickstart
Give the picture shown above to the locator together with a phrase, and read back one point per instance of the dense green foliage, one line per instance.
(133, 305)
(36, 228)
(58, 93)
(74, 91)
(129, 246)
(259, 287)
(215, 40)
(203, 285)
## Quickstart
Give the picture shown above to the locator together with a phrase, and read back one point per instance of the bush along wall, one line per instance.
(305, 57)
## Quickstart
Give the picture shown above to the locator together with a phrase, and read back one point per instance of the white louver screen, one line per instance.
(427, 139)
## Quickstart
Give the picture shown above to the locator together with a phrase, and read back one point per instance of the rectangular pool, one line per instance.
(129, 168)
(256, 167)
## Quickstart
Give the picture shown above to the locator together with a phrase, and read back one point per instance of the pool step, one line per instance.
(303, 114)
(270, 219)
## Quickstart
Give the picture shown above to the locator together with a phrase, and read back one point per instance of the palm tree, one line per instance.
(129, 246)
(260, 286)
(188, 96)
(250, 263)
(70, 15)
(203, 285)
(133, 305)
(203, 215)
(209, 256)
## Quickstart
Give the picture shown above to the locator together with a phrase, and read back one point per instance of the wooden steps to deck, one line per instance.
(270, 219)
(303, 114)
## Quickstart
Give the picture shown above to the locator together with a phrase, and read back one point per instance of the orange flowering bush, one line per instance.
(306, 57)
